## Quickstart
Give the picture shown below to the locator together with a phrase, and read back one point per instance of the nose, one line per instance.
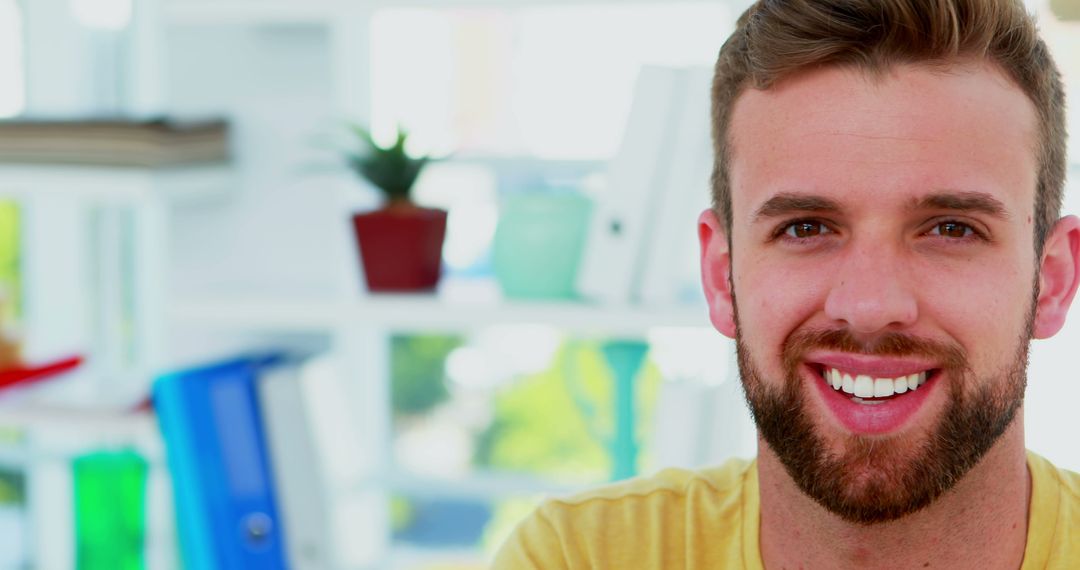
(872, 291)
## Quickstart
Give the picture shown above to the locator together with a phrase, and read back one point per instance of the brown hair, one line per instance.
(777, 38)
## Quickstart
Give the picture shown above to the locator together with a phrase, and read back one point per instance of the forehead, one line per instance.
(875, 141)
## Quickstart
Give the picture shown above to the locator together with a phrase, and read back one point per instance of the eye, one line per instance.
(805, 229)
(952, 229)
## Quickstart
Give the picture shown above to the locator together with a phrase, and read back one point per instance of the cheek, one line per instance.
(984, 307)
(986, 285)
(773, 301)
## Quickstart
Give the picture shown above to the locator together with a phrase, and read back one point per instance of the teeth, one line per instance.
(848, 384)
(863, 386)
(900, 385)
(883, 387)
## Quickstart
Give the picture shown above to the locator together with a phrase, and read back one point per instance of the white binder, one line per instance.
(642, 244)
(297, 475)
(670, 274)
(612, 260)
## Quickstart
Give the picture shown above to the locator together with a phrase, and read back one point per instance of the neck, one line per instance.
(979, 523)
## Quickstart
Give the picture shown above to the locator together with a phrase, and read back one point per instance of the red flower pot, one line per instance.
(401, 247)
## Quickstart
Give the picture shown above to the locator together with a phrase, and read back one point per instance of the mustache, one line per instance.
(950, 355)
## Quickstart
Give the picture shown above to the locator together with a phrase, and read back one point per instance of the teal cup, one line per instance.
(538, 244)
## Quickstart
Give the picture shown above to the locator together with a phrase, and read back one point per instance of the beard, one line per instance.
(870, 480)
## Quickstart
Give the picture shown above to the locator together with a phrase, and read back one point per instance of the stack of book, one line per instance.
(113, 142)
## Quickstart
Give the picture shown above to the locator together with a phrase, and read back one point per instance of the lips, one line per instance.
(873, 396)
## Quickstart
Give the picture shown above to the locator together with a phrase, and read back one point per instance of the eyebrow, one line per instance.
(786, 203)
(964, 202)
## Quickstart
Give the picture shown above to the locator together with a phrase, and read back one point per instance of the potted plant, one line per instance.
(400, 243)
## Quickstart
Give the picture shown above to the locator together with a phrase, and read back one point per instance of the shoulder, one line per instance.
(1053, 516)
(616, 524)
(1068, 483)
(671, 488)
(1050, 475)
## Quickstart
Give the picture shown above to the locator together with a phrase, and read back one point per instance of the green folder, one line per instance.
(110, 510)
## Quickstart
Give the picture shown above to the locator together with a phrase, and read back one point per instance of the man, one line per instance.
(884, 243)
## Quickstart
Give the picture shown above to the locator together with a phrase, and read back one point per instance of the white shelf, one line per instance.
(95, 421)
(428, 313)
(115, 184)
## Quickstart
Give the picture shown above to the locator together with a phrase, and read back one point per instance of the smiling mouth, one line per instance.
(867, 390)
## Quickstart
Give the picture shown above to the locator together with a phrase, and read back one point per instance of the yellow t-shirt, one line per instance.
(708, 519)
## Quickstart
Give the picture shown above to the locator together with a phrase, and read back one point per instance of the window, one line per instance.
(485, 425)
(526, 98)
(552, 82)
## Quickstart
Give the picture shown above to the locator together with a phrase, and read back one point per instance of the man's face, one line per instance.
(883, 269)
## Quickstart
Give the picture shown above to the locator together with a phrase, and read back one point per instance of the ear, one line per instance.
(1059, 275)
(716, 272)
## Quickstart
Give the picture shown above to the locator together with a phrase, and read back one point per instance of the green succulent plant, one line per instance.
(390, 169)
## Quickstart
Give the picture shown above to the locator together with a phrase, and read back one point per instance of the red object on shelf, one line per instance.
(27, 374)
(401, 247)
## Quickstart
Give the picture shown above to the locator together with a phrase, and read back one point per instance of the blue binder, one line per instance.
(218, 459)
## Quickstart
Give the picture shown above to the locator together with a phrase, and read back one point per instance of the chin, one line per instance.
(872, 478)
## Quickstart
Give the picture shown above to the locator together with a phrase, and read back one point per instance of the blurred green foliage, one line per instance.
(10, 289)
(418, 371)
(402, 513)
(539, 428)
(390, 169)
(12, 487)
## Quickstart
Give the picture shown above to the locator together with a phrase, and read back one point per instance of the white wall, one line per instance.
(285, 231)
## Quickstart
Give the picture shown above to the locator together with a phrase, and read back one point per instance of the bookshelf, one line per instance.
(92, 287)
(110, 423)
(116, 185)
(358, 328)
(129, 243)
(406, 313)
